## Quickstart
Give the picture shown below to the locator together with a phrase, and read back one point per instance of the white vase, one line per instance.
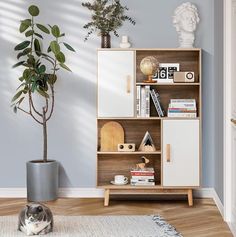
(125, 42)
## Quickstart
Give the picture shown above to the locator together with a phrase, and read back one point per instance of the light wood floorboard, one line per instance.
(201, 220)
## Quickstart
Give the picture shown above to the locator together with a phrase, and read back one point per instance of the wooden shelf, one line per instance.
(149, 118)
(127, 153)
(128, 186)
(167, 84)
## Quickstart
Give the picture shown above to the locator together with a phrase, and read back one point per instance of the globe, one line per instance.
(149, 66)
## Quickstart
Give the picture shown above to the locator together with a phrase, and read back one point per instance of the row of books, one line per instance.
(143, 177)
(143, 101)
(182, 108)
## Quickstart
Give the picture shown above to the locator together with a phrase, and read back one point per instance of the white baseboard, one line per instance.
(99, 193)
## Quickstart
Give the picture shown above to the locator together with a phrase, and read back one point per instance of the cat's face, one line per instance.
(34, 213)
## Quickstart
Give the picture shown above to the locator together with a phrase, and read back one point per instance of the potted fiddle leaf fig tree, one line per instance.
(106, 16)
(35, 96)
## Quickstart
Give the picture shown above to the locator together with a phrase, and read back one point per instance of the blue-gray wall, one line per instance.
(218, 89)
(72, 129)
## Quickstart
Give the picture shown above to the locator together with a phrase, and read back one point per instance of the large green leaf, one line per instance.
(64, 66)
(60, 57)
(29, 33)
(55, 31)
(52, 79)
(22, 45)
(18, 64)
(26, 73)
(17, 95)
(55, 47)
(43, 28)
(37, 47)
(37, 34)
(42, 69)
(68, 47)
(24, 25)
(25, 52)
(33, 10)
(20, 100)
(43, 93)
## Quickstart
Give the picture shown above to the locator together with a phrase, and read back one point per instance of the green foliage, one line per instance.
(107, 16)
(40, 68)
(33, 10)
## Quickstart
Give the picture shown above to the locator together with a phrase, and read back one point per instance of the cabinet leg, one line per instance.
(106, 197)
(190, 197)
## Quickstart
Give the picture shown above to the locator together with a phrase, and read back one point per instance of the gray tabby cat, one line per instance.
(35, 219)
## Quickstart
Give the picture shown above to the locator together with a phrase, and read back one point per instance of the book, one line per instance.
(146, 169)
(142, 173)
(147, 101)
(138, 101)
(151, 176)
(134, 179)
(182, 115)
(143, 102)
(156, 100)
(142, 183)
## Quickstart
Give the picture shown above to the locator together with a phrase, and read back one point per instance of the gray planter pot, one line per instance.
(42, 180)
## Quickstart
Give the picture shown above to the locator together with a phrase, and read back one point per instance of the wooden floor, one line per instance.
(202, 220)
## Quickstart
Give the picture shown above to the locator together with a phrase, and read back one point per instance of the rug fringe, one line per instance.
(168, 230)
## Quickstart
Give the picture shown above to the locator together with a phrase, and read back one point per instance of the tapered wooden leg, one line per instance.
(106, 197)
(190, 197)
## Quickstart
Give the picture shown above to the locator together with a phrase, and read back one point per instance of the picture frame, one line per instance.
(166, 71)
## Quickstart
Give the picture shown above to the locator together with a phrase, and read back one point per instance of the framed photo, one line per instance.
(166, 71)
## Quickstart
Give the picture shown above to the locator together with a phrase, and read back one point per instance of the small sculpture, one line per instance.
(185, 20)
(125, 42)
(143, 164)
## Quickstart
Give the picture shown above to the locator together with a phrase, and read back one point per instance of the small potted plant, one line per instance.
(37, 82)
(107, 16)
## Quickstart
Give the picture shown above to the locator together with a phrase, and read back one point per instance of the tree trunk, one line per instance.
(45, 137)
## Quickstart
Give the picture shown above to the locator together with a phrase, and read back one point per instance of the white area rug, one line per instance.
(98, 226)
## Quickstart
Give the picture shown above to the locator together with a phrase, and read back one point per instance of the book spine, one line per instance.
(182, 115)
(153, 95)
(143, 183)
(142, 173)
(159, 103)
(143, 101)
(181, 111)
(138, 101)
(147, 100)
(141, 180)
(184, 101)
(142, 176)
(182, 106)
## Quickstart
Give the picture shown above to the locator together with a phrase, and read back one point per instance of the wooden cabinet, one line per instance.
(116, 84)
(180, 153)
(177, 157)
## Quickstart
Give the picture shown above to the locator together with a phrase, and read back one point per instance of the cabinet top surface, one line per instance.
(149, 49)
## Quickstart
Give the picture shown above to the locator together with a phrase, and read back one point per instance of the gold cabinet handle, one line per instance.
(167, 152)
(233, 121)
(128, 85)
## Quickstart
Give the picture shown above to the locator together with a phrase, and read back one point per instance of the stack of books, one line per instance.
(185, 108)
(157, 102)
(143, 101)
(143, 177)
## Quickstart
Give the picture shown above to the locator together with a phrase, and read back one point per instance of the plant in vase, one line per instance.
(37, 82)
(107, 16)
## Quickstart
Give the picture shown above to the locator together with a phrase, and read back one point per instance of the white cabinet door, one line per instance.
(115, 84)
(180, 153)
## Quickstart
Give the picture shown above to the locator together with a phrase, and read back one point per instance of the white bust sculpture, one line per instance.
(185, 20)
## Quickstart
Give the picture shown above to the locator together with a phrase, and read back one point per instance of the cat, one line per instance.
(35, 219)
